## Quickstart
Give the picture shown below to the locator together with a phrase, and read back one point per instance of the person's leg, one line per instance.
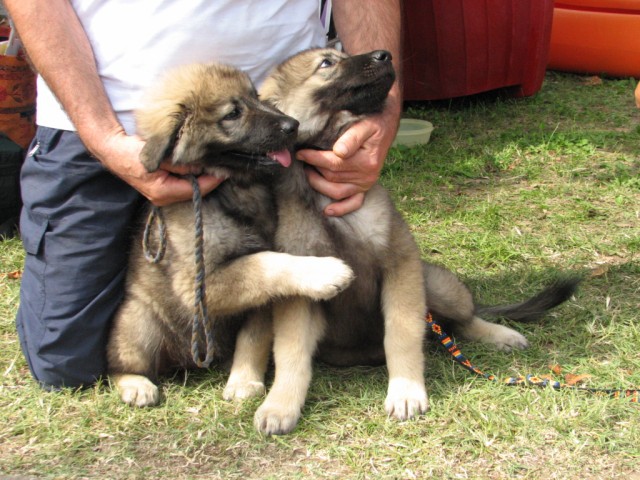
(75, 230)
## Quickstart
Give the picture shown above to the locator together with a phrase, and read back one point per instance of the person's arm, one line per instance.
(638, 95)
(358, 156)
(59, 49)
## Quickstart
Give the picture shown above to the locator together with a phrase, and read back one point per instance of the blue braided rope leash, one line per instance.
(530, 380)
(201, 326)
(200, 307)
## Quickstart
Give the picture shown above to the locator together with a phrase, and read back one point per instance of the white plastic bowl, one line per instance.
(413, 132)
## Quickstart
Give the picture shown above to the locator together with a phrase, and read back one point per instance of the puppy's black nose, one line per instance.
(381, 56)
(289, 125)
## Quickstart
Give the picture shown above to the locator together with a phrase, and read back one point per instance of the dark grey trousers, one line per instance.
(75, 230)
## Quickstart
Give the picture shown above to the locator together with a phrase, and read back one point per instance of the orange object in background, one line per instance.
(597, 37)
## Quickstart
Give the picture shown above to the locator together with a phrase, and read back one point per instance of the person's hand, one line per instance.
(120, 153)
(353, 166)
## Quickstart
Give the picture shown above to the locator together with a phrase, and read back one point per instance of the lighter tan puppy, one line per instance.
(384, 308)
(380, 317)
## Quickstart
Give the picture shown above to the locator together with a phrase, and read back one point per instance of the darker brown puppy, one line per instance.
(209, 116)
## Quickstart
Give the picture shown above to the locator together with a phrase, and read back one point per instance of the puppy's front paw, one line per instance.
(324, 277)
(137, 390)
(242, 390)
(406, 399)
(273, 419)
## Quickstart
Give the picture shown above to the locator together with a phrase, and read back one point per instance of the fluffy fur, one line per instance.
(380, 317)
(210, 116)
(260, 228)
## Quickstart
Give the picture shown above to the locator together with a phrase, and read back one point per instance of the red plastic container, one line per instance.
(454, 48)
(596, 36)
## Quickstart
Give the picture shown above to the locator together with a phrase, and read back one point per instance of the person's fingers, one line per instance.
(348, 205)
(322, 159)
(352, 167)
(208, 183)
(333, 190)
(181, 169)
(353, 139)
(355, 169)
(166, 189)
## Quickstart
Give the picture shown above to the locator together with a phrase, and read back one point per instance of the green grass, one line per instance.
(508, 193)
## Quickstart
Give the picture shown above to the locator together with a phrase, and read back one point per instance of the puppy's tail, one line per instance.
(535, 307)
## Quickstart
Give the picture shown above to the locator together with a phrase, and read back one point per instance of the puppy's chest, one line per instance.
(369, 227)
(238, 220)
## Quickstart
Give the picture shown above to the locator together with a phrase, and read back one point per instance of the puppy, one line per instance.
(380, 317)
(209, 116)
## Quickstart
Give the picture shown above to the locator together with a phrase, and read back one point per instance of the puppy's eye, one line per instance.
(233, 114)
(326, 63)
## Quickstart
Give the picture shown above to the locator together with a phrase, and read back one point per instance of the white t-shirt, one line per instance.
(135, 41)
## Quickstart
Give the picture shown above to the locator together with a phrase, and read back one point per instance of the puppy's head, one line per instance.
(326, 89)
(210, 116)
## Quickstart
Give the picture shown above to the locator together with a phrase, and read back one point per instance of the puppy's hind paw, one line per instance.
(509, 340)
(502, 337)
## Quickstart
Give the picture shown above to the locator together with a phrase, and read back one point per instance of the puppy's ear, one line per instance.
(160, 144)
(155, 150)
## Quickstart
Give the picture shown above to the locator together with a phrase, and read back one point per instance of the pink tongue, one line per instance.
(283, 157)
